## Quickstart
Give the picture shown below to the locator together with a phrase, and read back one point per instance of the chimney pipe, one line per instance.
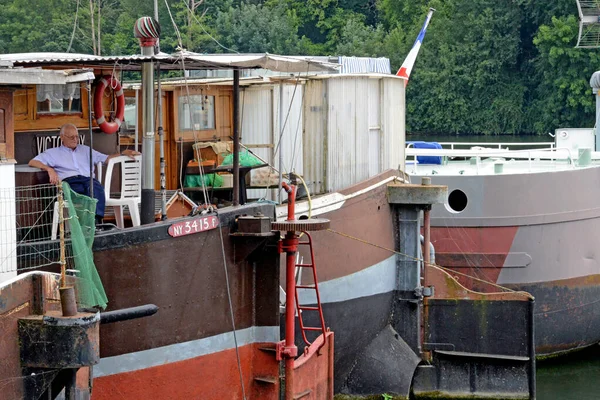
(147, 30)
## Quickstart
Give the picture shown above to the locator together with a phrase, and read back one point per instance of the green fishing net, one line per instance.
(210, 180)
(82, 224)
(246, 159)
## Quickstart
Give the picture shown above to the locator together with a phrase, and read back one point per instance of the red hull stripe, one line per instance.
(464, 240)
(183, 351)
(214, 376)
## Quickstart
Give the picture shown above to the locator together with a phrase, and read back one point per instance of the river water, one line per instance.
(572, 377)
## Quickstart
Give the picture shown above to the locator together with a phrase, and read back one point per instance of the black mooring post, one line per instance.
(70, 383)
(532, 371)
(236, 137)
(89, 90)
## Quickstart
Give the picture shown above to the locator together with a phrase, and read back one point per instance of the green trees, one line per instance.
(485, 67)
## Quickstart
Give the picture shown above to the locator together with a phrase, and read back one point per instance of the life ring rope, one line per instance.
(113, 125)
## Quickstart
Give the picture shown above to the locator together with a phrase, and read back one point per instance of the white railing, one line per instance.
(552, 154)
(454, 145)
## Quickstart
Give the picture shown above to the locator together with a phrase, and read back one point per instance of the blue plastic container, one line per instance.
(435, 160)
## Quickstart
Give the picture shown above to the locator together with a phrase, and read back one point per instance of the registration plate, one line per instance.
(195, 225)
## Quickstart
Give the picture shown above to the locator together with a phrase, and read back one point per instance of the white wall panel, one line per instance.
(393, 123)
(344, 130)
(315, 136)
(8, 233)
(256, 119)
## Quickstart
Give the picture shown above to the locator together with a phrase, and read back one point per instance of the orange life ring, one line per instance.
(113, 125)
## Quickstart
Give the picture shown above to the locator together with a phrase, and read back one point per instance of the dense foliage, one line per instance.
(486, 66)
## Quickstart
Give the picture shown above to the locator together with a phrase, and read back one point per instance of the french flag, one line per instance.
(410, 59)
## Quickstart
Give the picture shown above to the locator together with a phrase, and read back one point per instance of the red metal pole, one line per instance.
(290, 245)
(290, 309)
(291, 191)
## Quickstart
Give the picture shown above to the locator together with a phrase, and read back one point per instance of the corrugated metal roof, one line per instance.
(35, 76)
(254, 80)
(272, 62)
(364, 65)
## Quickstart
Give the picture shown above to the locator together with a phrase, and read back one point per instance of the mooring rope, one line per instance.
(449, 270)
(237, 352)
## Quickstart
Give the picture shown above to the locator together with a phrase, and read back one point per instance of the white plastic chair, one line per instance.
(131, 188)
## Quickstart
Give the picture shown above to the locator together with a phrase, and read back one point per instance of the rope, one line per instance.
(205, 193)
(187, 89)
(237, 353)
(74, 27)
(205, 31)
(449, 270)
(282, 128)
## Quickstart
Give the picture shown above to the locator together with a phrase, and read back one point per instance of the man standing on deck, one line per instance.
(70, 162)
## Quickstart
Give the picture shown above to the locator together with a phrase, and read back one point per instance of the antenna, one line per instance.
(589, 24)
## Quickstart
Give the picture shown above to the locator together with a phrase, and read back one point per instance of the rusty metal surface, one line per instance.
(301, 225)
(185, 278)
(367, 217)
(55, 341)
(448, 287)
(313, 370)
(403, 193)
(15, 302)
(25, 295)
(386, 364)
(256, 224)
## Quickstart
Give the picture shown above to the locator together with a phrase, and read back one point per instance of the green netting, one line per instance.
(214, 180)
(82, 223)
(247, 159)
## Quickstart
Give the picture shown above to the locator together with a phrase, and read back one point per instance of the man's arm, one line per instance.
(127, 152)
(51, 172)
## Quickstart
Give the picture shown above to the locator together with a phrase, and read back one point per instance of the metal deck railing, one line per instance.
(553, 154)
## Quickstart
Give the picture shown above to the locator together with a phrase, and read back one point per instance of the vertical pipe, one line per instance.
(71, 383)
(89, 91)
(425, 181)
(236, 137)
(424, 314)
(280, 139)
(427, 242)
(67, 293)
(290, 243)
(61, 224)
(137, 125)
(161, 134)
(532, 371)
(147, 211)
(290, 318)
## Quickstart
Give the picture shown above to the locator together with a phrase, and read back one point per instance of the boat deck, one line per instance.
(494, 161)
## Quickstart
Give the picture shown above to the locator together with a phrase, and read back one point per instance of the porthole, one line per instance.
(457, 201)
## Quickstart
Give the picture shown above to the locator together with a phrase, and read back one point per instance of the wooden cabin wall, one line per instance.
(127, 139)
(180, 141)
(6, 124)
(177, 141)
(30, 125)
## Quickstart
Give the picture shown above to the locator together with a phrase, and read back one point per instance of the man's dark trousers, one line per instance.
(81, 184)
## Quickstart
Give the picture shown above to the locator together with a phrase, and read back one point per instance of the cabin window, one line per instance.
(55, 99)
(196, 112)
(130, 114)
